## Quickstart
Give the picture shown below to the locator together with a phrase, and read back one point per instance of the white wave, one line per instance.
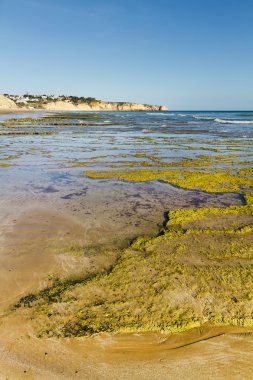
(181, 114)
(146, 130)
(159, 113)
(227, 121)
(203, 117)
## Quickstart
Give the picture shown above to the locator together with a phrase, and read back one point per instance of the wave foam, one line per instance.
(203, 117)
(159, 113)
(227, 121)
(146, 130)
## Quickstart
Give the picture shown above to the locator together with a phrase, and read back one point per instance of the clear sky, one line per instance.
(186, 54)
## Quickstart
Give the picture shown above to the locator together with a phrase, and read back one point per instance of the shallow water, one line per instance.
(46, 170)
(47, 203)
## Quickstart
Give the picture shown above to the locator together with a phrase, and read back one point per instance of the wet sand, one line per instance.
(45, 208)
(38, 227)
(14, 111)
(31, 250)
(151, 356)
(33, 246)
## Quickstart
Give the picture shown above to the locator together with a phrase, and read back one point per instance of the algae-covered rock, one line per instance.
(210, 181)
(187, 276)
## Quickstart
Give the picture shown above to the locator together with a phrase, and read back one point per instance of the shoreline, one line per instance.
(160, 341)
(73, 103)
(18, 110)
(13, 111)
(126, 356)
(40, 243)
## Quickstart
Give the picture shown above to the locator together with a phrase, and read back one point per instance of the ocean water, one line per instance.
(171, 121)
(47, 169)
(123, 133)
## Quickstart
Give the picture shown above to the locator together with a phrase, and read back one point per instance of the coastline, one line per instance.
(18, 110)
(72, 104)
(149, 355)
(42, 243)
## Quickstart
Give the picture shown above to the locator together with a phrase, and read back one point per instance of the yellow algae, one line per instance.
(212, 182)
(142, 160)
(220, 181)
(235, 215)
(183, 278)
(79, 164)
(197, 271)
(10, 157)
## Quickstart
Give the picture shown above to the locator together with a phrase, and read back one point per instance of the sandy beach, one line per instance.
(152, 356)
(30, 251)
(81, 200)
(126, 190)
(13, 111)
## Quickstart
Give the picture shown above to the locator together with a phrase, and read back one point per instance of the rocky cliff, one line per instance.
(99, 105)
(6, 104)
(70, 103)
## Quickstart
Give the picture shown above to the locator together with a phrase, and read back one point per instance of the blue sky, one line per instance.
(184, 54)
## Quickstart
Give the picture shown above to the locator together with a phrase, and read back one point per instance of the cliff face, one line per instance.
(102, 106)
(7, 104)
(71, 104)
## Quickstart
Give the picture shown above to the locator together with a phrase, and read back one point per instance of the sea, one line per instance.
(49, 157)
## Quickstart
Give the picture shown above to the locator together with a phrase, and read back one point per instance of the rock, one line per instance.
(163, 108)
(98, 105)
(94, 105)
(7, 104)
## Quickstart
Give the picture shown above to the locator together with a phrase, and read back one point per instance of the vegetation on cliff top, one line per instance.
(42, 101)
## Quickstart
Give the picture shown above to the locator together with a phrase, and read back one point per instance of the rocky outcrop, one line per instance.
(7, 104)
(99, 105)
(71, 104)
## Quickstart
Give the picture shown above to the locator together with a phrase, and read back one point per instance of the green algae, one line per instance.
(181, 218)
(58, 120)
(199, 270)
(141, 160)
(220, 181)
(183, 278)
(210, 181)
(209, 173)
(20, 133)
(10, 157)
(200, 161)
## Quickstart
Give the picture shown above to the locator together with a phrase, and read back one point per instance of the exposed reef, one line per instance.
(198, 271)
(211, 181)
